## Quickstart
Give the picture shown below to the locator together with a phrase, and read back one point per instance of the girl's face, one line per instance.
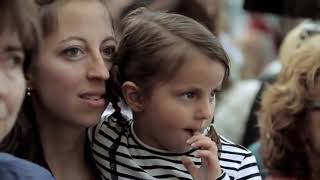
(313, 117)
(12, 81)
(181, 106)
(68, 78)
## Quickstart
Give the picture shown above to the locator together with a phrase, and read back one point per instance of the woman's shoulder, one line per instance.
(12, 167)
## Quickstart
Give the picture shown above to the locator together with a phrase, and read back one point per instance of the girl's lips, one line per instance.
(192, 132)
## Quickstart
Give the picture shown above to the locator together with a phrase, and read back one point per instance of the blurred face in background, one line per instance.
(12, 80)
(164, 4)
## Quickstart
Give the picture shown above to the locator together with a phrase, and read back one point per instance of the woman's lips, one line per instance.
(94, 100)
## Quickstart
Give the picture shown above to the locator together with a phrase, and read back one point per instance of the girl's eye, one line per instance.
(108, 52)
(212, 98)
(73, 53)
(189, 95)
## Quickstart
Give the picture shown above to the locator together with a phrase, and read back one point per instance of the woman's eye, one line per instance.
(72, 52)
(15, 60)
(109, 52)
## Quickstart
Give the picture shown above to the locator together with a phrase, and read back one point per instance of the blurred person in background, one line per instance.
(241, 100)
(19, 38)
(290, 111)
(294, 39)
(258, 46)
(235, 105)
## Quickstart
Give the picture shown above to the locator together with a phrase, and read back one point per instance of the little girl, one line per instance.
(168, 71)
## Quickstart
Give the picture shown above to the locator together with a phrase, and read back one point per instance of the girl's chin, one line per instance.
(181, 150)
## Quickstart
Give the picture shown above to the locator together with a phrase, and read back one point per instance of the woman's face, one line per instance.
(68, 78)
(313, 117)
(12, 81)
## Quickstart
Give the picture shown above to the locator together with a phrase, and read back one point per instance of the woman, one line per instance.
(16, 46)
(65, 88)
(290, 113)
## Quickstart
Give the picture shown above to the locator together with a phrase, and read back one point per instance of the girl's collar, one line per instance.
(152, 149)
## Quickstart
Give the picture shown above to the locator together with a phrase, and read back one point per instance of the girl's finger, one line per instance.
(207, 144)
(190, 166)
(196, 138)
(209, 160)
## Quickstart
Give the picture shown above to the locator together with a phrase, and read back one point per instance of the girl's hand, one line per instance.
(208, 152)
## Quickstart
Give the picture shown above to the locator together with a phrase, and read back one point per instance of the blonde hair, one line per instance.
(283, 110)
(294, 39)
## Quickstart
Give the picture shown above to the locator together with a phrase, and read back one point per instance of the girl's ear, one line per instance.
(133, 96)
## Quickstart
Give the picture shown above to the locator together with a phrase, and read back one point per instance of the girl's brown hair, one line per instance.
(285, 147)
(154, 46)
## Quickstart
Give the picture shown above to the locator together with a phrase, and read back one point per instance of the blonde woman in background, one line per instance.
(290, 112)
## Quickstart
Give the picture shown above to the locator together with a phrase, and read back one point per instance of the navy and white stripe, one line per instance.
(135, 160)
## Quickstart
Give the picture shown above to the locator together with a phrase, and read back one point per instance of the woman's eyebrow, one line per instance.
(72, 38)
(13, 48)
(109, 38)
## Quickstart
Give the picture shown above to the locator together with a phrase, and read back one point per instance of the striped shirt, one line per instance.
(119, 154)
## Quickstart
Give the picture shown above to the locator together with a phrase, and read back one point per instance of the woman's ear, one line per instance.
(133, 96)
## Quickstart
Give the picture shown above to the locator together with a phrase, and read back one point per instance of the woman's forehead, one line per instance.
(7, 21)
(9, 38)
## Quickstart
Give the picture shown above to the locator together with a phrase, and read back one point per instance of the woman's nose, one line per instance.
(98, 68)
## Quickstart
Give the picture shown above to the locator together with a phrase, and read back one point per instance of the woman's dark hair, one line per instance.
(189, 8)
(22, 16)
(196, 11)
(153, 47)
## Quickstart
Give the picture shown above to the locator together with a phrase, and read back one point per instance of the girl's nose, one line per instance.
(205, 111)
